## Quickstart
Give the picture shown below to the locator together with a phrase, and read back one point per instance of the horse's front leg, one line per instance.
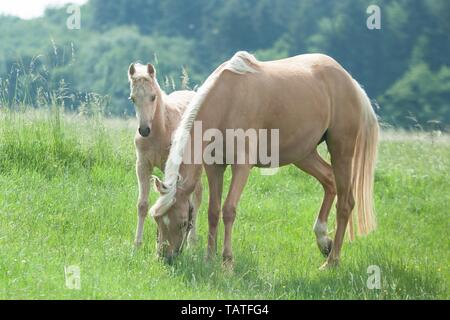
(239, 178)
(143, 172)
(196, 201)
(215, 182)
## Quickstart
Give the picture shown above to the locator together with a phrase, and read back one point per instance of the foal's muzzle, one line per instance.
(144, 131)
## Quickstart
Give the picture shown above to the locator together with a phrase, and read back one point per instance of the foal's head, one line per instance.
(145, 93)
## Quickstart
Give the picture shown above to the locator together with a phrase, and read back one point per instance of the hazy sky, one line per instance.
(28, 9)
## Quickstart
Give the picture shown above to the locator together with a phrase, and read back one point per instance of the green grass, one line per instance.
(68, 193)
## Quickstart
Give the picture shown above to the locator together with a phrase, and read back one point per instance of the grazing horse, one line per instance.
(309, 98)
(158, 116)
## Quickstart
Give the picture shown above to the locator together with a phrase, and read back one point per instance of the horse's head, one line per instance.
(174, 221)
(145, 93)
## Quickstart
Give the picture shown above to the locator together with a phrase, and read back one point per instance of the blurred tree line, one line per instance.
(405, 65)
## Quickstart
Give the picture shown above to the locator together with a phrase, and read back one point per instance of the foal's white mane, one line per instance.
(240, 63)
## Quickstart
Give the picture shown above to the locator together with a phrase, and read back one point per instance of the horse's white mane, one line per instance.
(241, 63)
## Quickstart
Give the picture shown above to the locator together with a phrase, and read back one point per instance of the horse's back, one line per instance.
(299, 95)
(317, 76)
(327, 82)
(304, 60)
(314, 66)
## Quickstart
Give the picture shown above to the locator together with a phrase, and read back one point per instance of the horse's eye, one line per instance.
(132, 99)
(153, 97)
(183, 225)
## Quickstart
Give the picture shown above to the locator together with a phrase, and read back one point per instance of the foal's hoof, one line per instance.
(210, 256)
(325, 248)
(135, 248)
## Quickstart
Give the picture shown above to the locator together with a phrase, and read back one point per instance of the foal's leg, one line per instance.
(322, 171)
(143, 172)
(215, 182)
(239, 178)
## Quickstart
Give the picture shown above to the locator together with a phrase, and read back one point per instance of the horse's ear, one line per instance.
(154, 212)
(159, 185)
(151, 70)
(131, 70)
(160, 209)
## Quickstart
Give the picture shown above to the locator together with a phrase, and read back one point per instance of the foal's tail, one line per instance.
(363, 168)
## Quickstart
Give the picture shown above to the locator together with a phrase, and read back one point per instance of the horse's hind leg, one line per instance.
(322, 171)
(239, 179)
(341, 158)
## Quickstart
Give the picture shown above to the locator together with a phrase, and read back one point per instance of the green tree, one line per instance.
(421, 95)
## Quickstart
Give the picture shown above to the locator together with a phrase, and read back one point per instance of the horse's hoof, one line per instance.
(192, 241)
(210, 258)
(326, 249)
(329, 264)
(228, 265)
(211, 254)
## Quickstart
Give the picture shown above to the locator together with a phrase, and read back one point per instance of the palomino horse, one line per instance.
(158, 116)
(309, 98)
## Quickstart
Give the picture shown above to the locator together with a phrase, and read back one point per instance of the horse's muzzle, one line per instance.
(167, 258)
(144, 131)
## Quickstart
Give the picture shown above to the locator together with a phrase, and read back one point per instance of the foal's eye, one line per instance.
(153, 97)
(132, 99)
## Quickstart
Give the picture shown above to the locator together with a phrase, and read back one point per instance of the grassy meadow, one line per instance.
(68, 197)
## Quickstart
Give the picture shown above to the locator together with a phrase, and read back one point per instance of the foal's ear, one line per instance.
(131, 70)
(151, 70)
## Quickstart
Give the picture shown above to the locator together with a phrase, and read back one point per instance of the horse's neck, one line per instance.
(190, 168)
(191, 174)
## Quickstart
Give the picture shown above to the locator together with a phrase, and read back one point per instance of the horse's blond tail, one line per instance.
(363, 168)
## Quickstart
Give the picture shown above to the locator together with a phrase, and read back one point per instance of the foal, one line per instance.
(158, 116)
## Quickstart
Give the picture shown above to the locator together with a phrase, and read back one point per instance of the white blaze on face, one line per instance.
(166, 220)
(143, 108)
